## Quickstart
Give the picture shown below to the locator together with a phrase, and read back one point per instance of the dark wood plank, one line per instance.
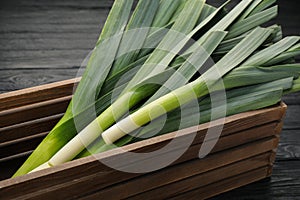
(21, 79)
(51, 16)
(44, 43)
(289, 147)
(71, 4)
(283, 184)
(34, 111)
(291, 121)
(48, 26)
(39, 59)
(49, 34)
(292, 99)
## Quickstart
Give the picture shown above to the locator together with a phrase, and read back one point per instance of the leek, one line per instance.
(135, 75)
(151, 111)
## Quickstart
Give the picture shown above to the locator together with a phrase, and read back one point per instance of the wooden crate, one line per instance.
(244, 153)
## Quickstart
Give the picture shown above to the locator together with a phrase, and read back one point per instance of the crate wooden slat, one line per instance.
(182, 186)
(37, 94)
(176, 179)
(34, 111)
(243, 154)
(26, 129)
(225, 185)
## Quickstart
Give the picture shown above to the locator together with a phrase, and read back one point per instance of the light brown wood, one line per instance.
(196, 181)
(34, 111)
(78, 178)
(224, 185)
(8, 149)
(178, 172)
(226, 142)
(37, 94)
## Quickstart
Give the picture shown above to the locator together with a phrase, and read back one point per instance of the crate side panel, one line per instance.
(37, 94)
(88, 182)
(199, 180)
(33, 111)
(225, 185)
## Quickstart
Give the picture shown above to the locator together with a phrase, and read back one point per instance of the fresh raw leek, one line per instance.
(112, 107)
(153, 110)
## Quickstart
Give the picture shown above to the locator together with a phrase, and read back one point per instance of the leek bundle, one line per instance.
(144, 68)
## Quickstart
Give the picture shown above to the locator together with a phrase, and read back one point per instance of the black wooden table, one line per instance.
(43, 41)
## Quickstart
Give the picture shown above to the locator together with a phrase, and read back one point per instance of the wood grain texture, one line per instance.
(198, 179)
(30, 128)
(9, 150)
(99, 173)
(29, 77)
(292, 118)
(27, 144)
(34, 111)
(255, 122)
(289, 147)
(37, 94)
(286, 177)
(51, 34)
(37, 45)
(240, 130)
(227, 184)
(201, 180)
(292, 99)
